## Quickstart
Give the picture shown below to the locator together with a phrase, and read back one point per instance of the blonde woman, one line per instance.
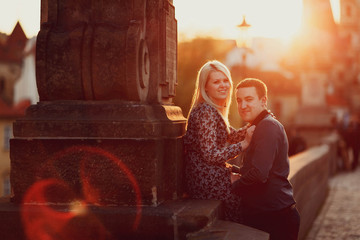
(210, 141)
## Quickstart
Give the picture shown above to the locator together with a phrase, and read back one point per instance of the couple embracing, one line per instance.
(258, 194)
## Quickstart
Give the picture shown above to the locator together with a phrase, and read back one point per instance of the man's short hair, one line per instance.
(259, 85)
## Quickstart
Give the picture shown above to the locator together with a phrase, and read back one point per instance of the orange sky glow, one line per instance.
(269, 18)
(279, 19)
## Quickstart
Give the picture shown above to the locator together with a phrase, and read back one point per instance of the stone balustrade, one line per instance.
(309, 174)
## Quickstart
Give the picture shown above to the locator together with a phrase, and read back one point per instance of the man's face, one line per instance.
(249, 103)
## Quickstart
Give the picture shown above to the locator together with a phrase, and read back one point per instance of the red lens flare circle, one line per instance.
(36, 195)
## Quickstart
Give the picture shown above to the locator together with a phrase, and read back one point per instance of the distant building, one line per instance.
(325, 58)
(11, 64)
(11, 58)
(25, 86)
(263, 54)
(8, 114)
(349, 70)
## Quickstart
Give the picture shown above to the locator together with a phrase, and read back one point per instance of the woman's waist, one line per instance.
(199, 164)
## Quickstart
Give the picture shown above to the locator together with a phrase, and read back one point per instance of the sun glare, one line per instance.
(335, 6)
(269, 18)
(273, 19)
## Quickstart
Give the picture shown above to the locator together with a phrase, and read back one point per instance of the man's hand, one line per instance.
(228, 165)
(234, 177)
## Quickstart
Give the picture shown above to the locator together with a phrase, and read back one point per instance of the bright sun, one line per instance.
(268, 18)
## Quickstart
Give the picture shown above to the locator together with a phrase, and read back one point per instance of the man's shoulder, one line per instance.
(269, 121)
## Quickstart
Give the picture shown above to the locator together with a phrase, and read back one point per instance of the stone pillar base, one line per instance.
(130, 154)
(170, 220)
(177, 220)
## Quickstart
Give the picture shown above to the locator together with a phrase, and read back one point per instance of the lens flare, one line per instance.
(45, 218)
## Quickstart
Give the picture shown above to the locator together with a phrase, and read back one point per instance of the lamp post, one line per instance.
(243, 38)
(242, 42)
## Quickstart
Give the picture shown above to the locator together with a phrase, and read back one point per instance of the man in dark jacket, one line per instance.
(267, 194)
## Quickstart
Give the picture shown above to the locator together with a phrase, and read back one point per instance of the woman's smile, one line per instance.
(218, 87)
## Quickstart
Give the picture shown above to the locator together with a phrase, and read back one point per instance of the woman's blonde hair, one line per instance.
(200, 94)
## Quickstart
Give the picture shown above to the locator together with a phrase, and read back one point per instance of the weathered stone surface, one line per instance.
(171, 220)
(102, 171)
(106, 50)
(309, 175)
(60, 139)
(104, 69)
(93, 51)
(223, 230)
(182, 219)
(100, 119)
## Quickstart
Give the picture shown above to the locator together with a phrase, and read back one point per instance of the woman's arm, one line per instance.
(236, 135)
(208, 139)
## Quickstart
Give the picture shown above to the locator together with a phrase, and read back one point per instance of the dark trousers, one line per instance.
(281, 225)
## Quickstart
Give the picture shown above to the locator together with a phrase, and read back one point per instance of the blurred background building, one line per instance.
(17, 91)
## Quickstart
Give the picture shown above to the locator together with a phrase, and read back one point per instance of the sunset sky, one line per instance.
(25, 11)
(269, 18)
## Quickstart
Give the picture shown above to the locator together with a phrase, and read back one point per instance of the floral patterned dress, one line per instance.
(208, 145)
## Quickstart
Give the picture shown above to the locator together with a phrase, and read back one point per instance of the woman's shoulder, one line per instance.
(205, 113)
(204, 107)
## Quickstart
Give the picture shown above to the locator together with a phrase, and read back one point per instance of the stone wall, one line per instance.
(309, 175)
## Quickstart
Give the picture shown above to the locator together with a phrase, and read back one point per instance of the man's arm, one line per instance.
(265, 143)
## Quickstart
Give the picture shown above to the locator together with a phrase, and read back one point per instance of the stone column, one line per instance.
(105, 126)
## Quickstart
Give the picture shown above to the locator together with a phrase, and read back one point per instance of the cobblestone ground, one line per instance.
(339, 218)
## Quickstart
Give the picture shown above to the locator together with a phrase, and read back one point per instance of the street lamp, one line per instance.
(243, 39)
(242, 43)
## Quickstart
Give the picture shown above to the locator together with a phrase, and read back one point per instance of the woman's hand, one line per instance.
(249, 133)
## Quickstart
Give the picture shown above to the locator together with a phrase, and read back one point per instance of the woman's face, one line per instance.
(218, 87)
